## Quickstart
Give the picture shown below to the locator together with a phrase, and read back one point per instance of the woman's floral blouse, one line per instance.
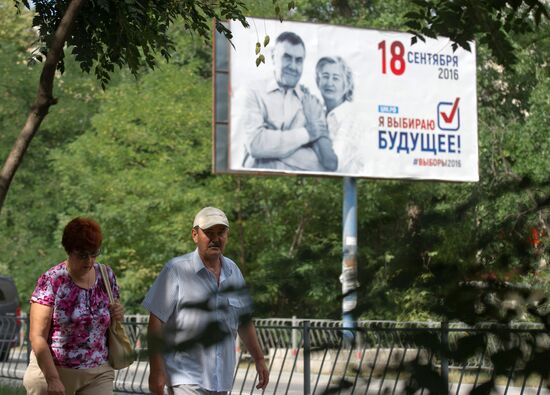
(80, 318)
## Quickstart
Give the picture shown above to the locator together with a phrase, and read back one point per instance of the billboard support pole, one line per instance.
(348, 278)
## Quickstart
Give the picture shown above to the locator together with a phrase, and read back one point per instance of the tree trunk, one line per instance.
(44, 99)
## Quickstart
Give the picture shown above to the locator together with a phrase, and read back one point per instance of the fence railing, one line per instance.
(322, 357)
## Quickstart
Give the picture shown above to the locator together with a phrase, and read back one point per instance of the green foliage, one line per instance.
(377, 14)
(30, 217)
(141, 184)
(108, 33)
(493, 22)
(138, 159)
(7, 389)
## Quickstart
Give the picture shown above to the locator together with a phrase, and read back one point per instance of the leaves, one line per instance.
(261, 58)
(138, 156)
(111, 34)
(462, 21)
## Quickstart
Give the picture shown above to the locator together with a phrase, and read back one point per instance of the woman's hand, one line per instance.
(117, 311)
(313, 109)
(316, 123)
(55, 386)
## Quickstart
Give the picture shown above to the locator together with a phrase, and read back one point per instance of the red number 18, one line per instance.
(397, 62)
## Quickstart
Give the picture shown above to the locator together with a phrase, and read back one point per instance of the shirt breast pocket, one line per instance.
(235, 307)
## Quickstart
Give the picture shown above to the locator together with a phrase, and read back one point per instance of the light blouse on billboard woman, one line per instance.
(335, 82)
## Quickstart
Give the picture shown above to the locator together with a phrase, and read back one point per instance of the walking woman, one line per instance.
(69, 317)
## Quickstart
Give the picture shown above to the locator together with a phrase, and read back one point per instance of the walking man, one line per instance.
(203, 277)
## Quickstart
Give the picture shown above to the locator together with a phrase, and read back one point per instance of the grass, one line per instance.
(6, 389)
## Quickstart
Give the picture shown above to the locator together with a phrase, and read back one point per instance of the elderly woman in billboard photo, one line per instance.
(335, 82)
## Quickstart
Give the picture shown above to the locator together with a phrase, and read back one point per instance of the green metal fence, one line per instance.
(383, 357)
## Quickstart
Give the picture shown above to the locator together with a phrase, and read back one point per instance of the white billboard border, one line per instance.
(219, 40)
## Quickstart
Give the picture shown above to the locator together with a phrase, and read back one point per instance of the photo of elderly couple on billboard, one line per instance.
(342, 101)
(282, 126)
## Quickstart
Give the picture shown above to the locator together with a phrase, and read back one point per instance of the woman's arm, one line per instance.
(116, 309)
(316, 120)
(40, 322)
(325, 153)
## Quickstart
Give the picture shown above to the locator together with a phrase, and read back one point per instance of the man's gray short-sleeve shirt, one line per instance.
(187, 298)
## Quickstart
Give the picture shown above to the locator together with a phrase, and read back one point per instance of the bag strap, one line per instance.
(105, 277)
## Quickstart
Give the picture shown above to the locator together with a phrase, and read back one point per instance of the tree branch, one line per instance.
(44, 99)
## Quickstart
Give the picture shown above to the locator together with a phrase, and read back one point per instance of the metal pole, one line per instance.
(444, 353)
(307, 356)
(295, 333)
(27, 321)
(348, 278)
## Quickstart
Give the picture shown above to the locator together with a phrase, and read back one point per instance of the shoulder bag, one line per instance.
(121, 353)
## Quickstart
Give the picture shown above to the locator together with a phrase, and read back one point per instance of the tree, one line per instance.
(102, 35)
(144, 189)
(29, 221)
(140, 163)
(491, 22)
(426, 235)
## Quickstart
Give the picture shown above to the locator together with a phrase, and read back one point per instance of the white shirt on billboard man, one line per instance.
(278, 134)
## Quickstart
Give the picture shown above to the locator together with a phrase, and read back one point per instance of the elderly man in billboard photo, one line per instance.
(335, 82)
(278, 134)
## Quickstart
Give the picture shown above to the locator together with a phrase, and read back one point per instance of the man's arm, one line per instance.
(247, 332)
(157, 370)
(262, 140)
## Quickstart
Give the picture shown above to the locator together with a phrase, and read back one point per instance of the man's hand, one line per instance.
(157, 381)
(263, 374)
(247, 332)
(157, 370)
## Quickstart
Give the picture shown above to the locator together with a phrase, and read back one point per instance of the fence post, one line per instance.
(295, 345)
(445, 353)
(307, 366)
(27, 321)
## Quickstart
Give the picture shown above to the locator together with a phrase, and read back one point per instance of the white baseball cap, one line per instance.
(210, 216)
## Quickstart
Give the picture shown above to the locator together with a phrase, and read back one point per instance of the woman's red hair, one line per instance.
(82, 234)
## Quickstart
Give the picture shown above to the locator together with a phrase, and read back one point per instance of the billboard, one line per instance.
(341, 101)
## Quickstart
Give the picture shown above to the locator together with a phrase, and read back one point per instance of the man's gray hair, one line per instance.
(290, 37)
(348, 75)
